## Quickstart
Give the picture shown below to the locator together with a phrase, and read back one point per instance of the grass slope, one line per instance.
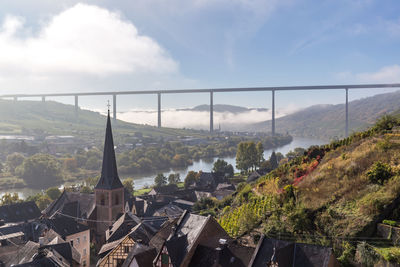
(326, 196)
(35, 117)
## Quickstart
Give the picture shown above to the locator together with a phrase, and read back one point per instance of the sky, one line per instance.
(113, 45)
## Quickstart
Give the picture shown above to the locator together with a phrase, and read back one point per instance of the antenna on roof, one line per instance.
(108, 106)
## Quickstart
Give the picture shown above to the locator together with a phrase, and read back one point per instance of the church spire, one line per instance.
(109, 175)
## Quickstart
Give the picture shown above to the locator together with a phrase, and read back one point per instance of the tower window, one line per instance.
(102, 200)
(116, 200)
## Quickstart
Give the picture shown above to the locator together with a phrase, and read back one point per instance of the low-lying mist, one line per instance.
(199, 119)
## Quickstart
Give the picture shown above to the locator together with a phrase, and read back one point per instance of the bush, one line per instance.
(379, 173)
(40, 170)
(389, 222)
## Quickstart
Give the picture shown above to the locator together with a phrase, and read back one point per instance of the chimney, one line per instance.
(219, 250)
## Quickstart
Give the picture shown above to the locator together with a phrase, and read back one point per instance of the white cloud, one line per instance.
(387, 74)
(83, 39)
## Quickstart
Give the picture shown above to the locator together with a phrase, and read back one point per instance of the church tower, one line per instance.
(109, 191)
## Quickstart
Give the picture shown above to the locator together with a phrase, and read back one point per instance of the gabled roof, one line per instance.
(65, 226)
(192, 230)
(170, 210)
(164, 189)
(65, 249)
(19, 212)
(291, 254)
(142, 254)
(122, 226)
(232, 255)
(73, 204)
(109, 178)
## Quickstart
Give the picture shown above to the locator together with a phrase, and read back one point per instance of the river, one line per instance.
(206, 165)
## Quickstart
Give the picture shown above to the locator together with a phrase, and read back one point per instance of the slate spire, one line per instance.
(109, 175)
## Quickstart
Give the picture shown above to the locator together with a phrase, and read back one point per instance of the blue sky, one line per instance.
(69, 45)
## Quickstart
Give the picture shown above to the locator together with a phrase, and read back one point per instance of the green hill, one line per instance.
(328, 121)
(44, 118)
(332, 195)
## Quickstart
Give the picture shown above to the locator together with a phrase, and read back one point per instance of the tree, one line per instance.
(129, 185)
(160, 180)
(13, 161)
(93, 163)
(9, 198)
(70, 164)
(222, 168)
(260, 153)
(246, 156)
(191, 178)
(273, 161)
(174, 178)
(53, 193)
(41, 169)
(43, 201)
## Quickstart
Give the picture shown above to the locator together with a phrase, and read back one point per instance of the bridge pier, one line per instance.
(211, 112)
(159, 110)
(273, 112)
(76, 107)
(15, 98)
(347, 113)
(43, 99)
(115, 107)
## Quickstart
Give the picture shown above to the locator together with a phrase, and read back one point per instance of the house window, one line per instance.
(84, 251)
(78, 240)
(84, 238)
(84, 263)
(164, 259)
(126, 249)
(72, 242)
(120, 262)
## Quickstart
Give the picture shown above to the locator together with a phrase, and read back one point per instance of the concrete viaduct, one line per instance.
(114, 94)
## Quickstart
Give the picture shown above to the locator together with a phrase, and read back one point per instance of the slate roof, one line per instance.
(206, 180)
(11, 231)
(230, 255)
(202, 194)
(25, 253)
(291, 254)
(46, 258)
(143, 255)
(225, 186)
(170, 210)
(73, 204)
(256, 174)
(19, 212)
(162, 235)
(65, 250)
(122, 226)
(65, 226)
(109, 178)
(164, 190)
(184, 204)
(190, 231)
(220, 194)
